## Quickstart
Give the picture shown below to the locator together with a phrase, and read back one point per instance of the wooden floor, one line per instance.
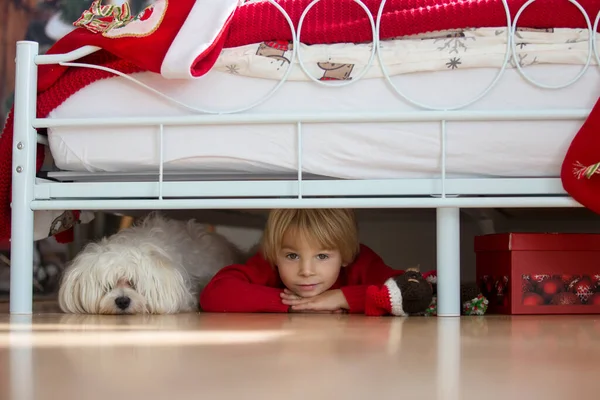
(288, 357)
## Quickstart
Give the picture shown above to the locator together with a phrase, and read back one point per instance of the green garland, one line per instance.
(432, 309)
(476, 306)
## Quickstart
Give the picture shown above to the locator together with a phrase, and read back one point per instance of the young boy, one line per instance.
(310, 261)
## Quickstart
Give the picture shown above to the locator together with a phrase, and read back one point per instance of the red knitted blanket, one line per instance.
(329, 21)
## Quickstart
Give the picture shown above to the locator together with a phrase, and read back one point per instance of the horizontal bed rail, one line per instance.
(124, 189)
(342, 202)
(233, 119)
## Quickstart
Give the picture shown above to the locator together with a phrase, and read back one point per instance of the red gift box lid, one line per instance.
(538, 241)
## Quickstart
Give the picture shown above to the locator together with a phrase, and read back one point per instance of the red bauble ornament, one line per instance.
(532, 299)
(594, 299)
(565, 299)
(568, 278)
(584, 289)
(550, 287)
(526, 286)
(596, 279)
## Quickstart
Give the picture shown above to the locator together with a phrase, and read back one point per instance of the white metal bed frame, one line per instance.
(447, 196)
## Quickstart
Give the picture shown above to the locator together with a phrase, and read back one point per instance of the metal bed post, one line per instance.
(20, 358)
(448, 261)
(23, 179)
(448, 245)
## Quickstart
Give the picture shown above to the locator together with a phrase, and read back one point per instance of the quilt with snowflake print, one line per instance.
(434, 51)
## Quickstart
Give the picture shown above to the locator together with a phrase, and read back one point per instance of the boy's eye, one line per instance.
(292, 256)
(322, 256)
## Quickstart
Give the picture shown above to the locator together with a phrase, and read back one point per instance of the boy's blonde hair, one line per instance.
(328, 228)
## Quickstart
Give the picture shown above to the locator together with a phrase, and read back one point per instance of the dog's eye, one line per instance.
(132, 285)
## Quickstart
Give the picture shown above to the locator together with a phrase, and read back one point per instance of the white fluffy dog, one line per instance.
(157, 267)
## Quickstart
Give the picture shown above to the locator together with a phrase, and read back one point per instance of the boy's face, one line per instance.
(306, 269)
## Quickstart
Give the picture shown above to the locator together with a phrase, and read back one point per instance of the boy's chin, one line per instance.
(311, 293)
(308, 295)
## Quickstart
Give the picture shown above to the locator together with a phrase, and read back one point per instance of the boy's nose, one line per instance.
(306, 270)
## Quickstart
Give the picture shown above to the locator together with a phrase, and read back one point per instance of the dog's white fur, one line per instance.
(160, 265)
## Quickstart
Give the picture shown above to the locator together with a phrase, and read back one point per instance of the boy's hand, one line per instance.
(329, 301)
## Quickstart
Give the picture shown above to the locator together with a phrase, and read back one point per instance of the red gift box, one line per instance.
(539, 273)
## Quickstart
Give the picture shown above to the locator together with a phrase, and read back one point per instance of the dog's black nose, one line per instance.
(122, 302)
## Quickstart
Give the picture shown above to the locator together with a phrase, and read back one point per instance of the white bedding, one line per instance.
(355, 151)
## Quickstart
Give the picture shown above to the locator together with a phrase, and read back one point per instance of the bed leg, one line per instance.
(23, 180)
(448, 262)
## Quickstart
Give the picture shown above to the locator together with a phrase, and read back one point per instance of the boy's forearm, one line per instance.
(241, 297)
(355, 296)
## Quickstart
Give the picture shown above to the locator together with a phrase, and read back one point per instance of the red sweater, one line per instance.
(256, 286)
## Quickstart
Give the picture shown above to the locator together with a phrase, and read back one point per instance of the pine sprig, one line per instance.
(581, 171)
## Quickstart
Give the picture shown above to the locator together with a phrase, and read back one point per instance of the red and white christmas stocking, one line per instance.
(179, 39)
(580, 172)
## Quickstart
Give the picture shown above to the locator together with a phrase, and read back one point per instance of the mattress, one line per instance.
(348, 151)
